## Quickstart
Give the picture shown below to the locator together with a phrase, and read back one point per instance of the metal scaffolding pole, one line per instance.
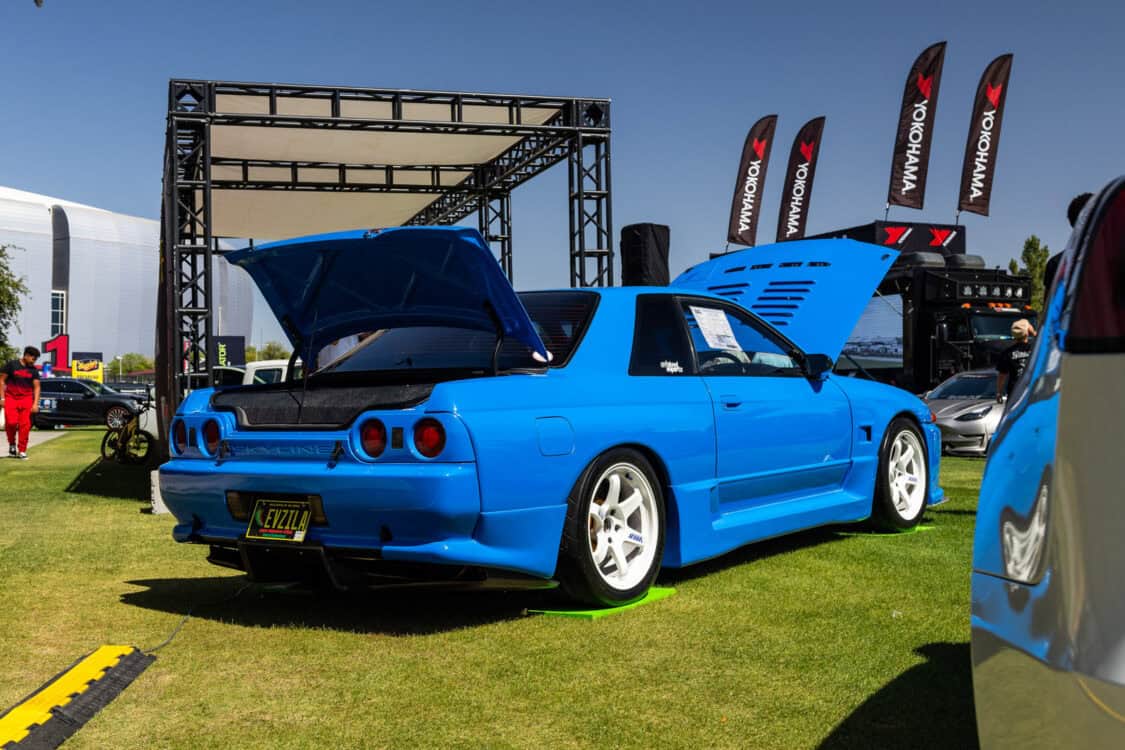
(495, 222)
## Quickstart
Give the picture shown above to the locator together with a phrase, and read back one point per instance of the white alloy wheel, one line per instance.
(624, 526)
(906, 474)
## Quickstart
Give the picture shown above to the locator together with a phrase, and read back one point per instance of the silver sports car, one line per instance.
(967, 412)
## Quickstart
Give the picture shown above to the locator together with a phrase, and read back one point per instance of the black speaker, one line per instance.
(644, 255)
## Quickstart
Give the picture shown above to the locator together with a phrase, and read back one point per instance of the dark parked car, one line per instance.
(131, 388)
(75, 401)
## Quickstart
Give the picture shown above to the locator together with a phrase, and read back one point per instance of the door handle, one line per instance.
(730, 401)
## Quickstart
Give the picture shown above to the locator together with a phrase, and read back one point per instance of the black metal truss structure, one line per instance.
(578, 131)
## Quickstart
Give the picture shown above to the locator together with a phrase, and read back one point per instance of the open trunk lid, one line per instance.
(812, 291)
(325, 287)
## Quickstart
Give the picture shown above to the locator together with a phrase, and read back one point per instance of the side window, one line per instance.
(1098, 322)
(729, 343)
(268, 375)
(660, 346)
(71, 388)
(46, 385)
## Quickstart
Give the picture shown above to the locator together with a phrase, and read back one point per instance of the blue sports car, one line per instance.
(586, 435)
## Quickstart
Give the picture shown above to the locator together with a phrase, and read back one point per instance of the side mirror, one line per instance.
(817, 365)
(88, 394)
(926, 395)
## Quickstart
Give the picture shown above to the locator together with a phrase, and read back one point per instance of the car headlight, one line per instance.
(975, 414)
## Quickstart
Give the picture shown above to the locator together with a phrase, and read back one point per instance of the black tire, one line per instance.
(109, 444)
(578, 573)
(885, 514)
(116, 416)
(138, 448)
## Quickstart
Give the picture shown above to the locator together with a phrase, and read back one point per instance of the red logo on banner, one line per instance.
(759, 147)
(925, 85)
(806, 150)
(939, 236)
(993, 93)
(894, 234)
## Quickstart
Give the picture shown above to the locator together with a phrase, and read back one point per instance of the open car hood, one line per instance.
(812, 291)
(325, 287)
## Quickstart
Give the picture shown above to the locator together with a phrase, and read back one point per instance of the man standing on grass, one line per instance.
(1013, 361)
(19, 395)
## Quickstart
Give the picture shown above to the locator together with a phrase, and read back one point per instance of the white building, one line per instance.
(93, 274)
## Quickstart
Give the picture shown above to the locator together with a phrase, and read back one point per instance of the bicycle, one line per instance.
(128, 444)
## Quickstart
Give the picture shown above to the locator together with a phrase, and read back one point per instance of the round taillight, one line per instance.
(179, 436)
(429, 437)
(373, 437)
(211, 436)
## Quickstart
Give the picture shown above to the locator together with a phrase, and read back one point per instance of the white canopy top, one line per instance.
(279, 213)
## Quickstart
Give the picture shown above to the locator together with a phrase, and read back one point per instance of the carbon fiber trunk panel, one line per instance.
(320, 408)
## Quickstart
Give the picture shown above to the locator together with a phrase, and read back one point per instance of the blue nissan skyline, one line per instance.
(585, 436)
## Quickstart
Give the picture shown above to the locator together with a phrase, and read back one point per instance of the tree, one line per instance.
(273, 350)
(1034, 262)
(12, 289)
(134, 362)
(251, 353)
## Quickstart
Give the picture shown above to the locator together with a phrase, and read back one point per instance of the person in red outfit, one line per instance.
(19, 395)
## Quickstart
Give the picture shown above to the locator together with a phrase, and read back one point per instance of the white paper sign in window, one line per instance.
(715, 327)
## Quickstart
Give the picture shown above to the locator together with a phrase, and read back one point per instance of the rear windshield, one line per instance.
(559, 317)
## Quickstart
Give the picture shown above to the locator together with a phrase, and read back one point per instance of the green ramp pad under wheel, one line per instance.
(654, 594)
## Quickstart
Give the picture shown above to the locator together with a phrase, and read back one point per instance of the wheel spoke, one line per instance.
(630, 504)
(634, 539)
(614, 491)
(902, 500)
(599, 548)
(617, 552)
(596, 515)
(906, 458)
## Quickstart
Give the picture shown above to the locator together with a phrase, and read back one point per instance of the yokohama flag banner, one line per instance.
(911, 158)
(745, 208)
(795, 195)
(984, 137)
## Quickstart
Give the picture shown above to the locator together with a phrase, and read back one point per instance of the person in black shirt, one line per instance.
(1014, 359)
(19, 395)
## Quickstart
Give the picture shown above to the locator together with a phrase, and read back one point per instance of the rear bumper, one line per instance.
(425, 513)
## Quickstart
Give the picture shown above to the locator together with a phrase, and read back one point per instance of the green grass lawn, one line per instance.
(829, 638)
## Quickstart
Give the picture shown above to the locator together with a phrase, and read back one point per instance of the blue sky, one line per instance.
(83, 93)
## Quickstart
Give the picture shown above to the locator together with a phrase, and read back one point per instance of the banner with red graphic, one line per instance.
(907, 236)
(984, 137)
(911, 158)
(745, 208)
(796, 193)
